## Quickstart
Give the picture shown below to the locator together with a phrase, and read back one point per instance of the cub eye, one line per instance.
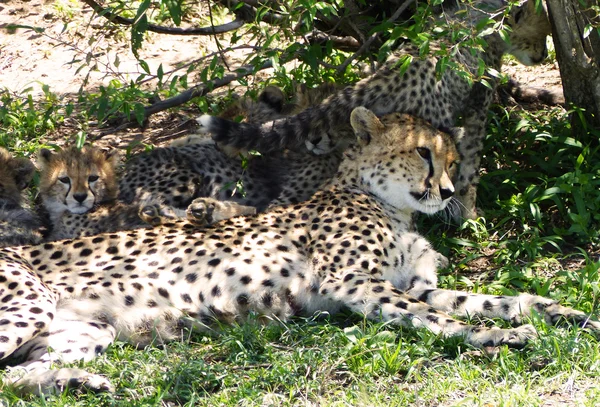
(65, 180)
(424, 152)
(518, 15)
(93, 178)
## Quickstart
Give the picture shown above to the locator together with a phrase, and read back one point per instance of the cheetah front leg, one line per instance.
(378, 299)
(510, 308)
(70, 338)
(206, 211)
(470, 148)
(27, 304)
(155, 214)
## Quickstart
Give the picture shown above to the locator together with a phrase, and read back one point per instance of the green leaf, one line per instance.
(80, 139)
(139, 112)
(160, 73)
(139, 27)
(144, 66)
(174, 8)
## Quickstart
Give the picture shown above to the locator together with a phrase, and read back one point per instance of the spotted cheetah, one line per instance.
(79, 189)
(18, 224)
(194, 167)
(417, 91)
(351, 245)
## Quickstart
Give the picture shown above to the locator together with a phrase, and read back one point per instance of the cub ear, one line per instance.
(112, 156)
(23, 171)
(365, 124)
(45, 156)
(273, 97)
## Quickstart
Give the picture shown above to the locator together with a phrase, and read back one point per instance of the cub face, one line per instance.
(76, 180)
(405, 161)
(15, 176)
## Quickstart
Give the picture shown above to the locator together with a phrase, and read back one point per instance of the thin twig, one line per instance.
(219, 47)
(219, 29)
(203, 89)
(373, 37)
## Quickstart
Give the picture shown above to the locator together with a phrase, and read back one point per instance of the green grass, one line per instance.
(539, 196)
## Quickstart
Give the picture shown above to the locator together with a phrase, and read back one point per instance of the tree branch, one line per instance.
(203, 89)
(373, 37)
(219, 29)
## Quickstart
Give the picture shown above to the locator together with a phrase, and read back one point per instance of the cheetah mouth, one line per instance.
(427, 203)
(79, 209)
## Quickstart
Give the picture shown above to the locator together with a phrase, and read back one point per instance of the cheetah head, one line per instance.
(530, 27)
(404, 161)
(15, 176)
(75, 180)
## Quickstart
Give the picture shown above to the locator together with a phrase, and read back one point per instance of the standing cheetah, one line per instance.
(351, 245)
(417, 91)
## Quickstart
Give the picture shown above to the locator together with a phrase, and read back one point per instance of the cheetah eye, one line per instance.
(93, 178)
(518, 15)
(65, 180)
(424, 152)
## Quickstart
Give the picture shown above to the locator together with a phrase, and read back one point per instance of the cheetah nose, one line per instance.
(80, 197)
(446, 193)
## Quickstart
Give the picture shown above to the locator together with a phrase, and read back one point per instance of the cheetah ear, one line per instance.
(23, 171)
(45, 156)
(365, 124)
(273, 97)
(112, 156)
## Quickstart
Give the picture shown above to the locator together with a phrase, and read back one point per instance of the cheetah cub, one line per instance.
(18, 224)
(79, 189)
(351, 245)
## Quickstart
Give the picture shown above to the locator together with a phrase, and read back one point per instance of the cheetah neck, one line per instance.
(349, 177)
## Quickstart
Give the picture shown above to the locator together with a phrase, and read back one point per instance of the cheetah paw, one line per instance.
(200, 211)
(156, 214)
(51, 381)
(513, 337)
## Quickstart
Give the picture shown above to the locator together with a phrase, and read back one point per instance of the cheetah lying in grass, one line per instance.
(79, 189)
(418, 91)
(195, 167)
(18, 224)
(351, 245)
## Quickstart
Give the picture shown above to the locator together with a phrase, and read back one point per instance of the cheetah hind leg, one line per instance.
(206, 211)
(510, 308)
(379, 300)
(72, 337)
(28, 305)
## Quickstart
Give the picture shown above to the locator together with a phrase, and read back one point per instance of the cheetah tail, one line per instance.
(240, 137)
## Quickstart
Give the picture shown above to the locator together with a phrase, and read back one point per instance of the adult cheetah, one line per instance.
(351, 245)
(195, 167)
(417, 91)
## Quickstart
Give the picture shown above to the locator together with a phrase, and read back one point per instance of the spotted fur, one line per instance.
(79, 189)
(417, 91)
(194, 167)
(351, 245)
(18, 224)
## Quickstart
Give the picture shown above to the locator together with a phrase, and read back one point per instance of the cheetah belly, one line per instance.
(154, 305)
